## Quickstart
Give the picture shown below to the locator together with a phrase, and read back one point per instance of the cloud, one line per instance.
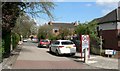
(107, 1)
(107, 5)
(88, 5)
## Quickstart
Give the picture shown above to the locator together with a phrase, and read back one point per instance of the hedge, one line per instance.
(15, 40)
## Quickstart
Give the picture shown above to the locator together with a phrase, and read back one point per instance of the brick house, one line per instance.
(57, 26)
(109, 29)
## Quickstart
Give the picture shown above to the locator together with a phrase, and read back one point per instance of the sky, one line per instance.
(79, 11)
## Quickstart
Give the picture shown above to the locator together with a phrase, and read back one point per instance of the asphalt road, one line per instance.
(32, 57)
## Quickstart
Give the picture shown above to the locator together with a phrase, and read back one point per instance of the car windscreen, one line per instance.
(66, 43)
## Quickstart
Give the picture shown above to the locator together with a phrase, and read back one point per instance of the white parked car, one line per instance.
(63, 47)
(25, 40)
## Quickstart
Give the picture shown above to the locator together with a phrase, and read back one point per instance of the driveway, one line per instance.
(32, 57)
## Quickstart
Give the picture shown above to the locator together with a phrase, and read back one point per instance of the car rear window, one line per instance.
(66, 43)
(55, 42)
(44, 41)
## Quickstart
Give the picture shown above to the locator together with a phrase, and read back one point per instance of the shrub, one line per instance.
(15, 40)
(1, 49)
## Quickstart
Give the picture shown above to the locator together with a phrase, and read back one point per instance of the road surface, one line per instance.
(32, 57)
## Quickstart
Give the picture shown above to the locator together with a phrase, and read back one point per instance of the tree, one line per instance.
(12, 10)
(64, 33)
(45, 32)
(89, 28)
(24, 26)
(82, 29)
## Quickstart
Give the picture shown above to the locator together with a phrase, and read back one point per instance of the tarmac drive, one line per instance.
(32, 57)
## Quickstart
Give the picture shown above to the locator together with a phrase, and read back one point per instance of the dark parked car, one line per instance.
(77, 44)
(43, 43)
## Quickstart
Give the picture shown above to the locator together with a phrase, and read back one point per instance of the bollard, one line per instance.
(86, 55)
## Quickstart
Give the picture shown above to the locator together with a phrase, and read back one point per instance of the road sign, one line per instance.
(85, 41)
(85, 44)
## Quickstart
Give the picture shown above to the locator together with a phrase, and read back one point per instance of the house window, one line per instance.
(56, 30)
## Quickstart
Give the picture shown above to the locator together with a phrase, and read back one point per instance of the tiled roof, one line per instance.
(110, 17)
(63, 25)
(67, 25)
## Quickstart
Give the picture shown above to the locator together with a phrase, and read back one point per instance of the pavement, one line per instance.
(8, 62)
(95, 61)
(101, 62)
(0, 67)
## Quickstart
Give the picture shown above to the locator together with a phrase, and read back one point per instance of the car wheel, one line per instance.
(38, 45)
(57, 53)
(50, 50)
(72, 54)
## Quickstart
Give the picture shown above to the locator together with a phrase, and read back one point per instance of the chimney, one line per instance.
(76, 23)
(50, 23)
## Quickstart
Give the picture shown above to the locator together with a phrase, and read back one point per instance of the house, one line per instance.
(109, 30)
(58, 26)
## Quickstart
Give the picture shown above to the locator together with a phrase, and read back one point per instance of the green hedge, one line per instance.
(1, 49)
(15, 40)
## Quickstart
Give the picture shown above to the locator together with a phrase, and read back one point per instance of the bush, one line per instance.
(15, 40)
(1, 49)
(95, 50)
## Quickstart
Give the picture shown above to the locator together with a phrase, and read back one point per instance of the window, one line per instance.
(66, 43)
(44, 40)
(55, 30)
(56, 43)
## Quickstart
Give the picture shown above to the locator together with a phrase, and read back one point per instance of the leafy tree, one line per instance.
(64, 32)
(89, 29)
(45, 32)
(82, 29)
(23, 26)
(12, 10)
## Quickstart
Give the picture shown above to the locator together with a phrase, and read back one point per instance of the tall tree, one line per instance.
(23, 25)
(12, 10)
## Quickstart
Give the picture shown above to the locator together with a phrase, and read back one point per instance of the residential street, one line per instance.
(32, 57)
(60, 35)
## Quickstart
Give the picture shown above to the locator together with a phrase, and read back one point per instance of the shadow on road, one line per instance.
(15, 52)
(42, 47)
(79, 61)
(75, 57)
(26, 50)
(63, 55)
